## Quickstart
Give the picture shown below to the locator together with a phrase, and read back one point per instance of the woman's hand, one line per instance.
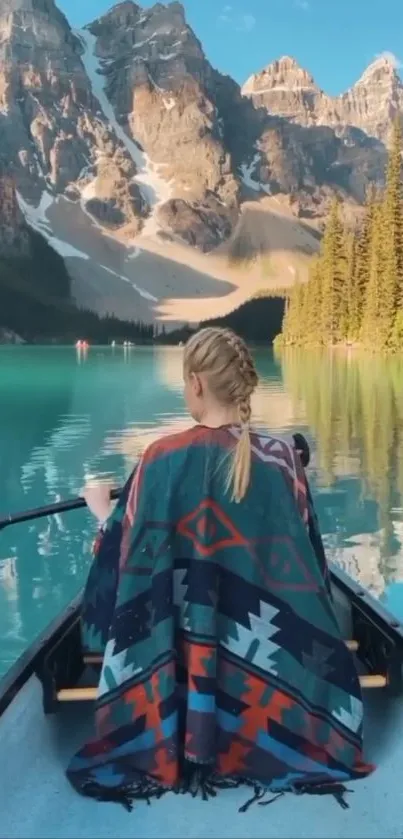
(98, 500)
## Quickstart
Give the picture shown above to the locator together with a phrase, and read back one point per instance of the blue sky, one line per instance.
(334, 39)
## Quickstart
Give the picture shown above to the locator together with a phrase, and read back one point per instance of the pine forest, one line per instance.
(354, 295)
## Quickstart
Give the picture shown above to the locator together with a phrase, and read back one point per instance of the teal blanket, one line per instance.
(223, 661)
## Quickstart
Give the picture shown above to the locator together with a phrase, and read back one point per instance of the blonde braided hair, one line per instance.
(232, 378)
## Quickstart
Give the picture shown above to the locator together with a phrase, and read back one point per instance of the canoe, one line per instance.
(46, 704)
(46, 714)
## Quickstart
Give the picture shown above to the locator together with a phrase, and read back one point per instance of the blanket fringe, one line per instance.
(337, 790)
(201, 780)
(197, 779)
(142, 790)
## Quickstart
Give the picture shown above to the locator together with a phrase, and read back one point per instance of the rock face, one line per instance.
(128, 118)
(286, 90)
(310, 163)
(14, 239)
(165, 96)
(51, 131)
(375, 101)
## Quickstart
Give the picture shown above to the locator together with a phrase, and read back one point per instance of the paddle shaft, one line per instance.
(75, 503)
(50, 510)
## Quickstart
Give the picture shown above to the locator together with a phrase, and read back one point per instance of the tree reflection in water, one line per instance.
(353, 405)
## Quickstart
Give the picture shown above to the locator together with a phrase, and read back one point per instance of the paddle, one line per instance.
(50, 510)
(301, 446)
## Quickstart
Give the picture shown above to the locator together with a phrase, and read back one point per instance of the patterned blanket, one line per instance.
(223, 661)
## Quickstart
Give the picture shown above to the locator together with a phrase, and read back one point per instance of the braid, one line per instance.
(247, 379)
(245, 411)
(223, 355)
(244, 385)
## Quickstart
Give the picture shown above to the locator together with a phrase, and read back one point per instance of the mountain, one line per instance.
(53, 134)
(375, 101)
(70, 110)
(287, 90)
(144, 167)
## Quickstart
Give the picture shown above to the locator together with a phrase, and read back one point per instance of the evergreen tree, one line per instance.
(392, 240)
(313, 307)
(348, 300)
(362, 264)
(371, 331)
(355, 289)
(393, 222)
(293, 318)
(333, 275)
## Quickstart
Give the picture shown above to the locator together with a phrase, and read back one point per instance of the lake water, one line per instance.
(67, 416)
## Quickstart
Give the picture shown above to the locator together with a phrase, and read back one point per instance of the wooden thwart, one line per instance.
(373, 681)
(90, 694)
(77, 694)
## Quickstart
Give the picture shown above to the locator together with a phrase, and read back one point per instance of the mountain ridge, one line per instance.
(383, 63)
(287, 89)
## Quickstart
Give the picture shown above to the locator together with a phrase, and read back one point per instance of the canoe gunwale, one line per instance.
(367, 604)
(379, 634)
(31, 662)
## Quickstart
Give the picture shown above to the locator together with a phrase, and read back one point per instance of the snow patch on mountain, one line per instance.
(247, 171)
(154, 188)
(36, 218)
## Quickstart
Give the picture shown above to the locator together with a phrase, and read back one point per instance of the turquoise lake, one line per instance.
(67, 416)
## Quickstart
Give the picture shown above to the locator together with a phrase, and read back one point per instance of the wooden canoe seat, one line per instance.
(89, 694)
(373, 681)
(77, 695)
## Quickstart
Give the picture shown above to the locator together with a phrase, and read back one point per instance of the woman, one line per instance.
(223, 661)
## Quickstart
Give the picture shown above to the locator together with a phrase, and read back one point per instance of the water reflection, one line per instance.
(65, 418)
(353, 405)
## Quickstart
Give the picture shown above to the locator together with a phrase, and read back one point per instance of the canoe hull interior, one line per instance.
(37, 800)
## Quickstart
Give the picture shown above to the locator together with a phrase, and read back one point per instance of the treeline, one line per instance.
(258, 321)
(355, 291)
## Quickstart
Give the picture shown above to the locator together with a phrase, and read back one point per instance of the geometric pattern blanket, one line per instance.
(223, 663)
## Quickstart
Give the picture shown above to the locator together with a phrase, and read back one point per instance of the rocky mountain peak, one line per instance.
(163, 95)
(158, 34)
(374, 101)
(282, 74)
(17, 17)
(122, 14)
(10, 6)
(286, 89)
(382, 69)
(129, 13)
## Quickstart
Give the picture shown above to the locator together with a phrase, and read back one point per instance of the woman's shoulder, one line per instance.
(270, 448)
(275, 450)
(170, 443)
